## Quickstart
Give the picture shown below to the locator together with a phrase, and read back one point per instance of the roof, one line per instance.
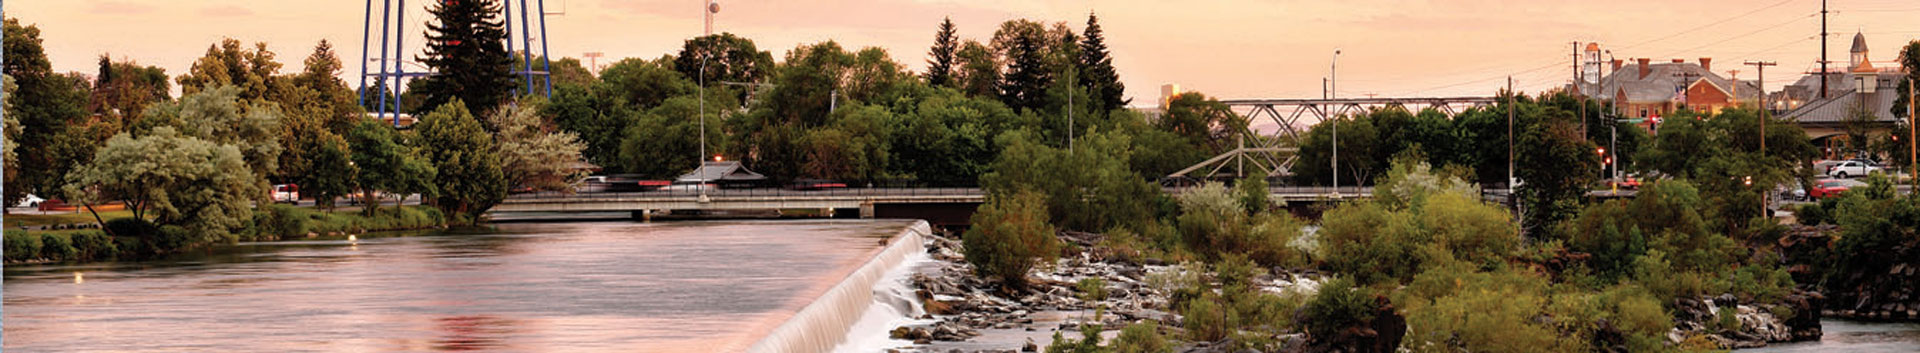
(721, 171)
(1859, 43)
(1663, 82)
(1841, 104)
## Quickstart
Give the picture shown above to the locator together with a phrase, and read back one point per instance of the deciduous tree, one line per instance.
(466, 160)
(531, 155)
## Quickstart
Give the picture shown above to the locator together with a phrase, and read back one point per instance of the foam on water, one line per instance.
(894, 305)
(869, 299)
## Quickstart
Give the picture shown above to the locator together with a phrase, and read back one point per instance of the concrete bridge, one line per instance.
(941, 206)
(932, 203)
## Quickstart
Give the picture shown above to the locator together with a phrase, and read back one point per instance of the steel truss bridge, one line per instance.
(1276, 154)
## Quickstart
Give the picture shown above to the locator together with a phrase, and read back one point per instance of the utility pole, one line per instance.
(712, 7)
(1580, 91)
(1912, 151)
(1512, 190)
(1823, 50)
(1760, 68)
(1070, 109)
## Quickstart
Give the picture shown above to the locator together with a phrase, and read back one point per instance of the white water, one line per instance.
(894, 305)
(841, 314)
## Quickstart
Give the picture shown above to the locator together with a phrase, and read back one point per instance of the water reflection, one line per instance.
(611, 286)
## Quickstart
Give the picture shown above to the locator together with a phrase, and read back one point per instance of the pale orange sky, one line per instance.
(1225, 48)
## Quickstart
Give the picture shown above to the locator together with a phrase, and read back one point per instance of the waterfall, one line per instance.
(828, 321)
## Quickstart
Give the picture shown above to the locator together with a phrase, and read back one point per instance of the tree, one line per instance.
(386, 163)
(330, 171)
(50, 109)
(853, 148)
(177, 180)
(230, 64)
(218, 115)
(468, 165)
(728, 58)
(643, 84)
(1024, 45)
(123, 89)
(664, 142)
(1557, 168)
(947, 139)
(1010, 233)
(1074, 182)
(533, 157)
(1096, 69)
(1909, 63)
(9, 141)
(465, 49)
(1203, 121)
(940, 61)
(326, 96)
(978, 73)
(599, 118)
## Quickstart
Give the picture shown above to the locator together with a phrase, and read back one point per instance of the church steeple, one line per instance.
(1859, 61)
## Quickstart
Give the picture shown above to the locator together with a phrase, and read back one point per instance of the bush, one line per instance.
(276, 221)
(1140, 338)
(175, 238)
(1337, 306)
(22, 246)
(1812, 214)
(1206, 321)
(132, 227)
(57, 247)
(94, 245)
(1008, 235)
(1092, 289)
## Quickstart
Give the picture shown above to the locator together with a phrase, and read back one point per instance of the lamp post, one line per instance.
(712, 7)
(1333, 84)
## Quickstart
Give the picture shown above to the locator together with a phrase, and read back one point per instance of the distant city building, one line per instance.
(1646, 89)
(1862, 92)
(1167, 92)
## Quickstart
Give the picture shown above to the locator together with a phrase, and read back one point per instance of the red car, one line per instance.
(1828, 188)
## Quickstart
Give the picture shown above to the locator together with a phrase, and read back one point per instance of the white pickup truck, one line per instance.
(1852, 168)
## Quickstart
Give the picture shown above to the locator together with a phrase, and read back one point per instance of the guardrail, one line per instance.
(759, 192)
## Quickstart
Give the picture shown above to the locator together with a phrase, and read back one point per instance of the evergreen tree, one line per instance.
(1096, 69)
(466, 49)
(979, 71)
(940, 65)
(1025, 83)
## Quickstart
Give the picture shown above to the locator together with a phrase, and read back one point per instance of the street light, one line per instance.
(1333, 91)
(712, 7)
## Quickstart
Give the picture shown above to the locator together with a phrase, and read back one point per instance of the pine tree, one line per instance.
(1025, 83)
(940, 65)
(1096, 69)
(466, 49)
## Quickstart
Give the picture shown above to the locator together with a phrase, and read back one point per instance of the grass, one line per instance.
(17, 219)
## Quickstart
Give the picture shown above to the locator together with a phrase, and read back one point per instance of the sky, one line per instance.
(1224, 48)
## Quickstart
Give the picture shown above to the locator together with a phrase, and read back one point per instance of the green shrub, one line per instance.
(132, 227)
(57, 247)
(22, 246)
(1140, 338)
(175, 238)
(1008, 235)
(1206, 321)
(1812, 214)
(1092, 289)
(94, 246)
(277, 221)
(1337, 306)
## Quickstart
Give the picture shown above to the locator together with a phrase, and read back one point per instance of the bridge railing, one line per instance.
(756, 192)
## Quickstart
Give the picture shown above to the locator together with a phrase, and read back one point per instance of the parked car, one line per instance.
(30, 201)
(1831, 188)
(286, 193)
(1852, 168)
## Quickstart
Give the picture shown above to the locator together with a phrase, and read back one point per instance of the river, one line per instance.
(1855, 337)
(575, 287)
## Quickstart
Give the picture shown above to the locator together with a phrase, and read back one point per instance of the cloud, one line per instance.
(119, 8)
(226, 11)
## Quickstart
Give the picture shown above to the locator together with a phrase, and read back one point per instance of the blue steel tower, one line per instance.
(389, 76)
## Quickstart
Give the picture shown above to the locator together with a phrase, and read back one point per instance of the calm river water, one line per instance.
(574, 287)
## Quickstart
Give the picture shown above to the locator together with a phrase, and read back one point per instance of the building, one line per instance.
(1647, 90)
(1861, 99)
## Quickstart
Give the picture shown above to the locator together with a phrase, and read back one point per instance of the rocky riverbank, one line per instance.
(968, 314)
(1086, 288)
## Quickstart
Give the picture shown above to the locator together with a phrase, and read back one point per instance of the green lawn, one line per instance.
(16, 219)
